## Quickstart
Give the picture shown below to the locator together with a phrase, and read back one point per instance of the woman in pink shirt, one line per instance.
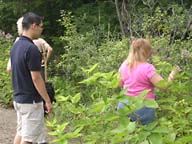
(137, 75)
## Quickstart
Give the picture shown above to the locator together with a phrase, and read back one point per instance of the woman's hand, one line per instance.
(173, 73)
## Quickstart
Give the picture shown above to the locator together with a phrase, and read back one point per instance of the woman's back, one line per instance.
(137, 79)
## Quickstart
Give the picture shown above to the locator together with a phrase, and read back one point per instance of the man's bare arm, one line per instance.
(40, 86)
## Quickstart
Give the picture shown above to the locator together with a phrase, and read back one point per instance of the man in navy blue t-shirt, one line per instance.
(28, 85)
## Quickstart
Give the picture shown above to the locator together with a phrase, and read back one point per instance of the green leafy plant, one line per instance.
(5, 78)
(100, 121)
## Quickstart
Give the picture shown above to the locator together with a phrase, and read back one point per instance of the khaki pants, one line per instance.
(30, 122)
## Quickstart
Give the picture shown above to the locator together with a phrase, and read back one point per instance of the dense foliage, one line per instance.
(5, 79)
(90, 40)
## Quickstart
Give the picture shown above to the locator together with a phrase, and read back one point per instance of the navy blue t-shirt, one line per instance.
(25, 57)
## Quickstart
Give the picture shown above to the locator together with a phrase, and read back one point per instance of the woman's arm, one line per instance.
(9, 66)
(49, 51)
(157, 78)
(173, 73)
(120, 84)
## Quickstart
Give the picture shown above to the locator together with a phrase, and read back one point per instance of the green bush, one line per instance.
(100, 122)
(5, 78)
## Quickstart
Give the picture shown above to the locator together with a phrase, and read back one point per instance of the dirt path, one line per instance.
(7, 125)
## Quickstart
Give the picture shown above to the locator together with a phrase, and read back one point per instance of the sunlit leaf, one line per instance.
(61, 127)
(76, 98)
(89, 70)
(98, 107)
(144, 142)
(131, 127)
(62, 98)
(150, 103)
(161, 129)
(184, 140)
(155, 139)
(51, 123)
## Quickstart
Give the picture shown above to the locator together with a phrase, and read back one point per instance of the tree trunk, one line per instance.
(119, 17)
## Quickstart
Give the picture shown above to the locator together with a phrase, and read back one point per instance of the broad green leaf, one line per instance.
(78, 130)
(89, 81)
(60, 140)
(114, 83)
(161, 130)
(155, 139)
(62, 98)
(151, 126)
(119, 129)
(111, 117)
(90, 69)
(124, 112)
(145, 142)
(72, 135)
(124, 120)
(171, 137)
(76, 98)
(104, 98)
(150, 103)
(184, 140)
(131, 127)
(163, 84)
(92, 79)
(77, 110)
(61, 127)
(75, 134)
(143, 134)
(98, 107)
(108, 76)
(120, 139)
(188, 109)
(143, 94)
(123, 98)
(73, 109)
(51, 123)
(53, 133)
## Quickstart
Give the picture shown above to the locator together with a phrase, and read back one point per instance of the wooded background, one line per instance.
(90, 39)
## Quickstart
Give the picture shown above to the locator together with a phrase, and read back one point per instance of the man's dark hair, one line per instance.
(29, 19)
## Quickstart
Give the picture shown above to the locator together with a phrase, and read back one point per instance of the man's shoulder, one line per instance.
(23, 41)
(27, 43)
(23, 45)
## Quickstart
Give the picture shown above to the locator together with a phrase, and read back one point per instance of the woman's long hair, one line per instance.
(140, 50)
(19, 26)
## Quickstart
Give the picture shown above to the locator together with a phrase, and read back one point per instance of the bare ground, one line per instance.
(7, 125)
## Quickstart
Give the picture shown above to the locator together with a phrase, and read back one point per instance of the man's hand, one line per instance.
(40, 86)
(48, 107)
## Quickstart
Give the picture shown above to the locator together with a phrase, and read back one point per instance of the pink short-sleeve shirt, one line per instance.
(137, 79)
